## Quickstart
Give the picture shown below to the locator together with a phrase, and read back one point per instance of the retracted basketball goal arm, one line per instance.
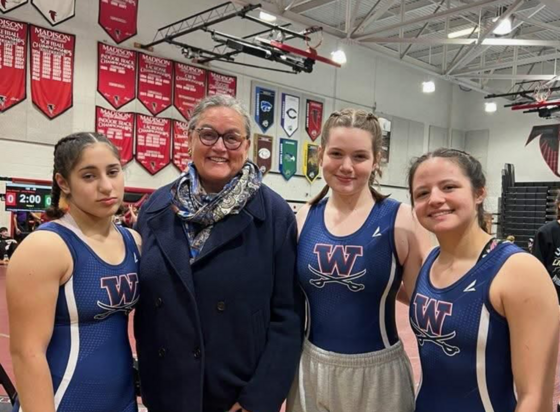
(228, 46)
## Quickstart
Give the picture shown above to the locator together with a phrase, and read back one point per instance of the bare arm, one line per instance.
(413, 245)
(34, 275)
(137, 238)
(524, 294)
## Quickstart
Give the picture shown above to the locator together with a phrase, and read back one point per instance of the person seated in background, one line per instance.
(7, 245)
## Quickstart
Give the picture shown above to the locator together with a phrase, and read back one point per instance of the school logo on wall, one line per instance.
(290, 113)
(264, 107)
(549, 138)
(263, 152)
(8, 5)
(428, 321)
(336, 266)
(313, 118)
(288, 158)
(55, 11)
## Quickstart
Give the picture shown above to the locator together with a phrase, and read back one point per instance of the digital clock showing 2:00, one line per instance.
(22, 197)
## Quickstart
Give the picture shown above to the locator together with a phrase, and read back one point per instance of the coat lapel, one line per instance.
(172, 240)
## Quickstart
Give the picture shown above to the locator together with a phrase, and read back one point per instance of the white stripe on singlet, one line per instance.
(382, 325)
(482, 340)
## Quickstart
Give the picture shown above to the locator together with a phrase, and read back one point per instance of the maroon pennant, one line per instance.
(221, 84)
(116, 74)
(181, 156)
(119, 18)
(13, 63)
(55, 11)
(153, 142)
(119, 129)
(155, 78)
(52, 70)
(190, 88)
(9, 5)
(313, 118)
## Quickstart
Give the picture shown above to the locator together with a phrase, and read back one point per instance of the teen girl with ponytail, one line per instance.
(356, 249)
(70, 287)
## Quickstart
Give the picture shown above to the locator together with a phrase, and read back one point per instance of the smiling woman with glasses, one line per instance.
(219, 327)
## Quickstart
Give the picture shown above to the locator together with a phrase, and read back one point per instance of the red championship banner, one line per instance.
(55, 11)
(52, 70)
(190, 88)
(13, 59)
(153, 141)
(119, 129)
(313, 118)
(155, 78)
(221, 84)
(116, 74)
(9, 5)
(119, 18)
(181, 155)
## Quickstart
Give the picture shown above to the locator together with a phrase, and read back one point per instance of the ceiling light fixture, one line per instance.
(428, 87)
(263, 15)
(462, 33)
(339, 56)
(490, 107)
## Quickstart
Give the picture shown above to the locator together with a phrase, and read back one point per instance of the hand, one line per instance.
(18, 232)
(237, 408)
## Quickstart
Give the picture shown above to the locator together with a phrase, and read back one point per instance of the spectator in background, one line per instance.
(7, 245)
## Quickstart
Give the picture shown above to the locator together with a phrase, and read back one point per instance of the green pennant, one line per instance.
(288, 158)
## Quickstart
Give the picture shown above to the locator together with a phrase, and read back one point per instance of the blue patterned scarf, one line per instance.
(200, 210)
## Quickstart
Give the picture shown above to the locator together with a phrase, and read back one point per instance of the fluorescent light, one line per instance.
(503, 28)
(461, 33)
(490, 107)
(339, 56)
(428, 87)
(266, 16)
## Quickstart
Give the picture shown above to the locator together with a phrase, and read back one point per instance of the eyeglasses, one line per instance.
(209, 137)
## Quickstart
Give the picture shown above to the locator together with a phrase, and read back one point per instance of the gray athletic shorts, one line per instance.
(368, 382)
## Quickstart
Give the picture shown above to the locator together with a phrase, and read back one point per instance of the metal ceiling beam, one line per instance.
(373, 15)
(537, 23)
(350, 21)
(486, 42)
(520, 62)
(423, 19)
(510, 76)
(469, 54)
(310, 5)
(424, 27)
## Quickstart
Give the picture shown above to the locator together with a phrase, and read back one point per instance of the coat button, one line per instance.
(159, 303)
(221, 306)
(161, 352)
(197, 353)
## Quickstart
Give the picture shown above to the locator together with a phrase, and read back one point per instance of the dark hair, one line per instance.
(470, 166)
(359, 119)
(67, 153)
(3, 229)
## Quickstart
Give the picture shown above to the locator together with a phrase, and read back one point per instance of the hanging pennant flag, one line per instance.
(263, 152)
(221, 84)
(313, 118)
(9, 5)
(311, 161)
(52, 70)
(155, 78)
(55, 11)
(119, 129)
(181, 156)
(190, 88)
(385, 139)
(119, 18)
(264, 107)
(290, 113)
(13, 63)
(116, 74)
(153, 142)
(288, 158)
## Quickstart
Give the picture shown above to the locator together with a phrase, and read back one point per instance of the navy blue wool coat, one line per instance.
(227, 328)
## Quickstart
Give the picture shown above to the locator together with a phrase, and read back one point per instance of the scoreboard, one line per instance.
(27, 197)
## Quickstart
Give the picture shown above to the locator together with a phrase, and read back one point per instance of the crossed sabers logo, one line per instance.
(430, 315)
(123, 294)
(340, 259)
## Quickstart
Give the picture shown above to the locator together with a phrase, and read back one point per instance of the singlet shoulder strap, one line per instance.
(128, 239)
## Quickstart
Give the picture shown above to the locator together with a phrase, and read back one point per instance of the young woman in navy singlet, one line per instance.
(484, 312)
(70, 287)
(356, 248)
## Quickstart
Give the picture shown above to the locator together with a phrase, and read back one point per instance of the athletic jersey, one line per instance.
(464, 343)
(89, 354)
(546, 248)
(351, 281)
